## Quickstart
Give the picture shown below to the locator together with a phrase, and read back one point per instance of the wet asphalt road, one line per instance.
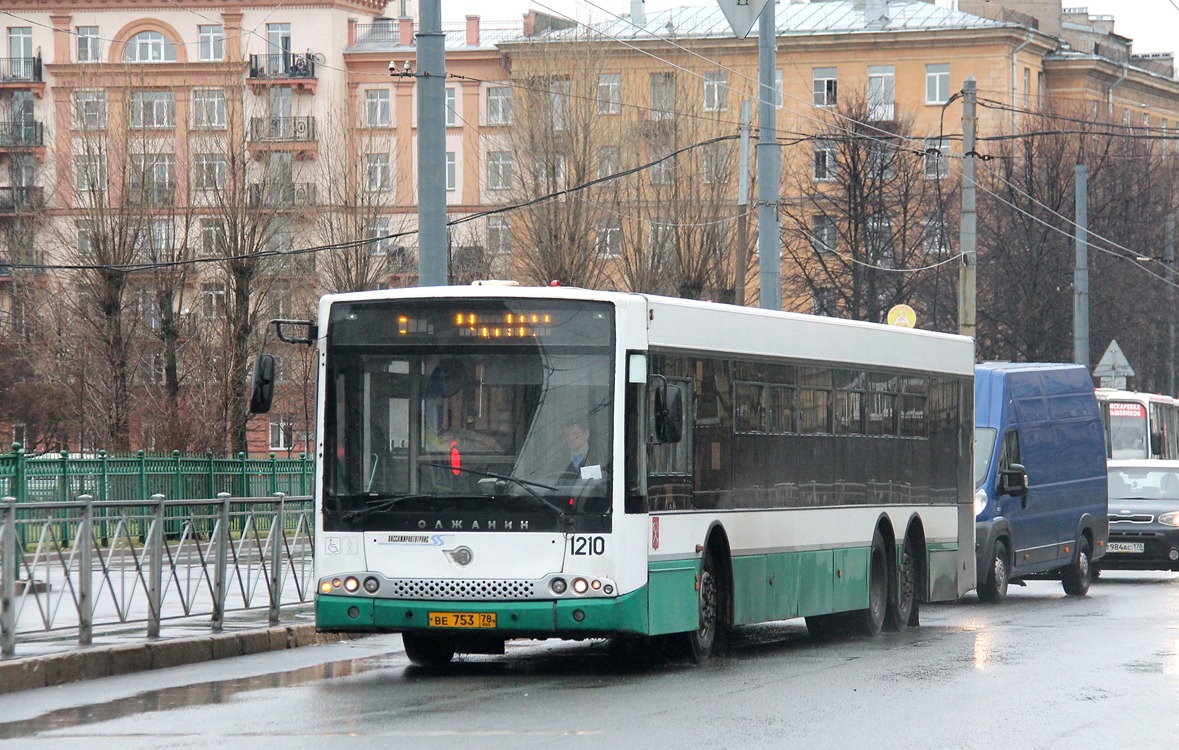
(1041, 670)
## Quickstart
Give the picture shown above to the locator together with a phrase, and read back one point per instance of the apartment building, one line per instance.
(175, 111)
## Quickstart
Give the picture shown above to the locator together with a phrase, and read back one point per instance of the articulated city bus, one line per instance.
(1139, 425)
(500, 462)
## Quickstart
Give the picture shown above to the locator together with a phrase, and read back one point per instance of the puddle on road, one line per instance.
(182, 696)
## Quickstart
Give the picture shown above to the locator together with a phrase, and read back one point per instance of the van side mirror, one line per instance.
(669, 413)
(1014, 481)
(262, 384)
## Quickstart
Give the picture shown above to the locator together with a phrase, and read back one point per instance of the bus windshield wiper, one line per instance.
(383, 503)
(524, 484)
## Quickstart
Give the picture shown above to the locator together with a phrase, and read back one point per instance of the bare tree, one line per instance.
(869, 219)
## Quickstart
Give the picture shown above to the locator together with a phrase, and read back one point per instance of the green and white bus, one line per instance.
(741, 466)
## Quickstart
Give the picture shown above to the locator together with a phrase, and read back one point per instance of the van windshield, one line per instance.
(984, 448)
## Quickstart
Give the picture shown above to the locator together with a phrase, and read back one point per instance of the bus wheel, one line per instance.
(994, 588)
(902, 603)
(427, 650)
(711, 597)
(1077, 576)
(871, 620)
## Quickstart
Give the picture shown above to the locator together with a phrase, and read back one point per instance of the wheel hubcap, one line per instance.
(707, 609)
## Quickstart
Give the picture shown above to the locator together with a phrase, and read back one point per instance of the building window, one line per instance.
(822, 234)
(212, 300)
(1027, 87)
(210, 171)
(937, 83)
(91, 174)
(499, 235)
(149, 47)
(212, 43)
(378, 172)
(156, 243)
(663, 164)
(378, 113)
(936, 237)
(281, 238)
(550, 172)
(20, 53)
(609, 93)
(499, 105)
(662, 96)
(451, 106)
(499, 170)
(90, 110)
(716, 91)
(824, 161)
(608, 241)
(88, 241)
(282, 432)
(778, 95)
(451, 171)
(212, 242)
(559, 102)
(661, 241)
(208, 109)
(824, 301)
(151, 180)
(152, 110)
(714, 166)
(88, 44)
(882, 92)
(937, 158)
(609, 161)
(824, 86)
(378, 231)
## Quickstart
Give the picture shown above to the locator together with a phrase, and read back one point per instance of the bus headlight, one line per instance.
(580, 585)
(1169, 519)
(351, 584)
(980, 501)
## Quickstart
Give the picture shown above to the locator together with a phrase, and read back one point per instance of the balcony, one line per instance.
(880, 111)
(22, 136)
(295, 134)
(22, 73)
(274, 195)
(151, 196)
(15, 199)
(294, 70)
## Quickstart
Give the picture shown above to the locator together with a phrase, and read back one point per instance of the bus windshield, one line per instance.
(1127, 430)
(467, 408)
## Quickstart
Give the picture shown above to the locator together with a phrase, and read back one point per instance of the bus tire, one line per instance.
(870, 620)
(427, 650)
(1079, 574)
(902, 600)
(703, 640)
(994, 588)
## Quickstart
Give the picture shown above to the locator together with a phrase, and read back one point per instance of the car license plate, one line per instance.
(1134, 547)
(461, 619)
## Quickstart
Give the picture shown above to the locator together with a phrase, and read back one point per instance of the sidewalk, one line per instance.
(46, 662)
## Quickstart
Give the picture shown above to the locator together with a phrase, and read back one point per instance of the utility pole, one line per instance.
(431, 78)
(1081, 272)
(769, 165)
(1169, 275)
(742, 210)
(968, 231)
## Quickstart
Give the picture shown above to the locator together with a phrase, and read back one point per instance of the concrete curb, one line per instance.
(28, 673)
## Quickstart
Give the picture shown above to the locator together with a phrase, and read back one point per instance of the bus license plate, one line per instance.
(1135, 547)
(461, 619)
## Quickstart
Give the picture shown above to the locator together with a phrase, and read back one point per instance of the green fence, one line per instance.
(62, 477)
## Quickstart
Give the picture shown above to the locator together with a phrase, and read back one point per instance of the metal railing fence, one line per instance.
(62, 477)
(72, 566)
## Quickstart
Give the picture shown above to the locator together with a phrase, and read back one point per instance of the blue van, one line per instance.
(1040, 500)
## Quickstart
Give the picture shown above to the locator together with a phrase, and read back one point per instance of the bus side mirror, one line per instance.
(669, 413)
(262, 384)
(1014, 481)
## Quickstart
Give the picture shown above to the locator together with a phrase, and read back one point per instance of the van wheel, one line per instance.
(1078, 575)
(902, 604)
(994, 588)
(426, 650)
